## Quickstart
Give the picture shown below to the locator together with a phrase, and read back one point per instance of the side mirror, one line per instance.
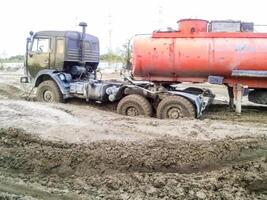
(28, 45)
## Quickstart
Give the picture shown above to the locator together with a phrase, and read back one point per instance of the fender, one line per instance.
(48, 74)
(196, 100)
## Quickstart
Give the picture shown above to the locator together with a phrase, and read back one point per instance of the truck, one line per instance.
(63, 64)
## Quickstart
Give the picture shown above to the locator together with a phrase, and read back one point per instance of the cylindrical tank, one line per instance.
(197, 54)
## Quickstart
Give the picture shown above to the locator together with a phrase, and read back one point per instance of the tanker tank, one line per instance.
(224, 52)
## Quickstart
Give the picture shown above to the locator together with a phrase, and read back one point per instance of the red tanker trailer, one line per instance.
(222, 52)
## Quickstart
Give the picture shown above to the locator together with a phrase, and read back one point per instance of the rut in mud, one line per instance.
(154, 169)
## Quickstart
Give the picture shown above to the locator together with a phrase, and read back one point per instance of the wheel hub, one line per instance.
(174, 113)
(48, 96)
(132, 111)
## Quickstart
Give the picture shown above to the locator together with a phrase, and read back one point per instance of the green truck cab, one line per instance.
(60, 50)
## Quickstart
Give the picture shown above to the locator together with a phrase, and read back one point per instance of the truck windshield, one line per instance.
(40, 45)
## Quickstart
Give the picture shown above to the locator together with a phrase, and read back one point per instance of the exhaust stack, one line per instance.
(83, 25)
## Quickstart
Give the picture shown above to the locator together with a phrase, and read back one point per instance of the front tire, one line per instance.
(49, 92)
(175, 107)
(134, 105)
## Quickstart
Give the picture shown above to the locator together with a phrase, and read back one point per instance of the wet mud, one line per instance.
(167, 168)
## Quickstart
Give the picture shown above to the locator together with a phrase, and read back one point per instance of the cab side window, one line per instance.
(40, 45)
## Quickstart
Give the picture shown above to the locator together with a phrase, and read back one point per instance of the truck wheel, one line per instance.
(48, 91)
(175, 107)
(134, 105)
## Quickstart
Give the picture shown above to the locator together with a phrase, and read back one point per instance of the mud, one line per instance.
(166, 168)
(80, 150)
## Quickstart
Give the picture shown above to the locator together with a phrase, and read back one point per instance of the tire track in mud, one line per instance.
(167, 168)
(26, 153)
(9, 92)
(9, 190)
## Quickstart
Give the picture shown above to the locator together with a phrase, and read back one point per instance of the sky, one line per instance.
(123, 18)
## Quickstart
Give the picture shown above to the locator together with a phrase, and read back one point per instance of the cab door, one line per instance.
(39, 55)
(60, 53)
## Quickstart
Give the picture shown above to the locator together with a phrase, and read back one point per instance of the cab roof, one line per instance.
(67, 34)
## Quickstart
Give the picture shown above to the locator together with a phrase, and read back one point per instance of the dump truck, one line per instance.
(63, 64)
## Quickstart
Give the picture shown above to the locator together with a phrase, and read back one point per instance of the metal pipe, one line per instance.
(83, 25)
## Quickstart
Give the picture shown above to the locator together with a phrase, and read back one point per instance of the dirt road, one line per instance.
(87, 151)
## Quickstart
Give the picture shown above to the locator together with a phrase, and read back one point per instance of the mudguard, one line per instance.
(196, 100)
(48, 74)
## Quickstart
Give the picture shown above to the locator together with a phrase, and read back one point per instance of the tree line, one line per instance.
(13, 59)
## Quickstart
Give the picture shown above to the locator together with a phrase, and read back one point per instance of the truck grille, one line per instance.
(89, 56)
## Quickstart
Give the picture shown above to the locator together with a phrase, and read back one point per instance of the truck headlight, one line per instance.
(62, 77)
(112, 90)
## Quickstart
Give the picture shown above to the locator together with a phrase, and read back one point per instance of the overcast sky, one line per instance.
(124, 17)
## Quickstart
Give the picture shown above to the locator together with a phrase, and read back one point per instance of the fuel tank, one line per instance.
(193, 53)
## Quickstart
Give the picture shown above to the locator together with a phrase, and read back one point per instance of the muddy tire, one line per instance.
(175, 107)
(134, 105)
(258, 96)
(48, 91)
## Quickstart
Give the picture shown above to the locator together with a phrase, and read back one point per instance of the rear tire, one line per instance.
(175, 107)
(49, 92)
(134, 105)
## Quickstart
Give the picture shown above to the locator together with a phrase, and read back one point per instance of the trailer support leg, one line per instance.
(231, 96)
(238, 97)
